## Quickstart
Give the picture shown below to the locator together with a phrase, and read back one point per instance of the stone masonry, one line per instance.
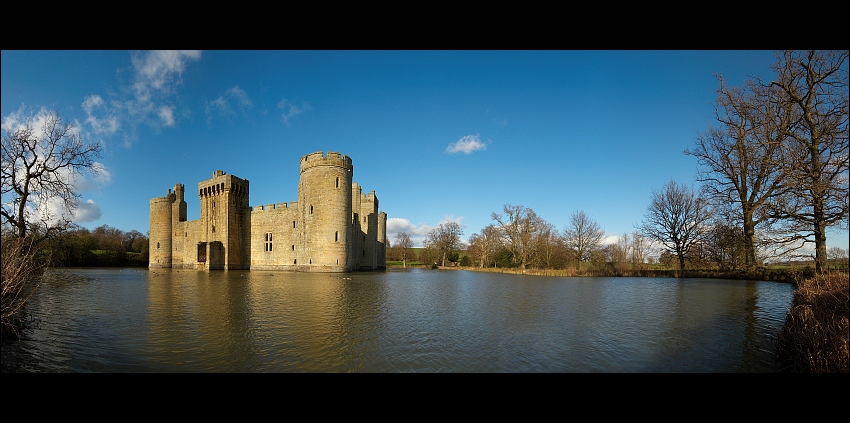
(332, 227)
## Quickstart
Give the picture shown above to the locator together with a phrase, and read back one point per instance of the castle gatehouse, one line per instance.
(332, 227)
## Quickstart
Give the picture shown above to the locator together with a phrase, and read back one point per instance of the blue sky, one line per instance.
(439, 135)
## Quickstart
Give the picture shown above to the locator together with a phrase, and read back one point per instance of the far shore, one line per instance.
(794, 275)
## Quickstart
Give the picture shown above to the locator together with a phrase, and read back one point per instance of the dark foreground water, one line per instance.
(413, 320)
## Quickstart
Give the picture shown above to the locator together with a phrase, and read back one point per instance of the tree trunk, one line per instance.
(749, 241)
(820, 237)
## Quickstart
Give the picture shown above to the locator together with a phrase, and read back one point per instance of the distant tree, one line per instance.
(814, 85)
(109, 239)
(583, 236)
(404, 246)
(133, 241)
(837, 253)
(619, 251)
(638, 249)
(484, 245)
(445, 238)
(676, 218)
(518, 227)
(549, 252)
(726, 246)
(428, 254)
(39, 163)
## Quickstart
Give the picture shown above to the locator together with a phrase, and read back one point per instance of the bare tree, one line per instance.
(815, 86)
(548, 246)
(836, 253)
(742, 157)
(404, 245)
(39, 163)
(484, 245)
(445, 238)
(518, 227)
(619, 252)
(676, 218)
(583, 236)
(725, 245)
(638, 249)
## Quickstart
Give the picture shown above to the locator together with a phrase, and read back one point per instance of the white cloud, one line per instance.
(610, 239)
(289, 110)
(166, 115)
(417, 233)
(107, 125)
(222, 107)
(466, 145)
(158, 70)
(156, 74)
(87, 211)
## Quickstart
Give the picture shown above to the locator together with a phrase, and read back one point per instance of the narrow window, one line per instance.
(295, 261)
(268, 241)
(337, 182)
(293, 248)
(311, 209)
(293, 223)
(157, 245)
(187, 234)
(336, 236)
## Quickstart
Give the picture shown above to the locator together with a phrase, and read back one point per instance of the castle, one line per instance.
(333, 227)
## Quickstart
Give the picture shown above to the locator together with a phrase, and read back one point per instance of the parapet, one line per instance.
(170, 198)
(331, 159)
(273, 207)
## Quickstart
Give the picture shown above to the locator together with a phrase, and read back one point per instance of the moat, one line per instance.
(398, 321)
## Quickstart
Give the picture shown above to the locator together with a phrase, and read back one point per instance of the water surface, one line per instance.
(405, 320)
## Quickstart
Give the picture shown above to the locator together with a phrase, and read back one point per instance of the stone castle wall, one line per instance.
(331, 228)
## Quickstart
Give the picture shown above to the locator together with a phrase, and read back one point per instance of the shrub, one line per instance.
(20, 274)
(814, 338)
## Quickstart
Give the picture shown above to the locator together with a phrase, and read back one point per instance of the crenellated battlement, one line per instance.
(370, 197)
(220, 183)
(274, 207)
(331, 159)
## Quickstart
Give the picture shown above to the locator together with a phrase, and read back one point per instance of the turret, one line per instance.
(161, 209)
(324, 201)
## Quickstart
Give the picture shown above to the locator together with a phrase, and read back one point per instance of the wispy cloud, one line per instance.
(466, 145)
(289, 110)
(106, 125)
(156, 75)
(223, 106)
(159, 71)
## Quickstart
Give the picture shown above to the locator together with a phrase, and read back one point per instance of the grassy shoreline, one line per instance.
(790, 275)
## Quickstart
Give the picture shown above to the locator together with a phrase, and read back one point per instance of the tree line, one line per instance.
(773, 177)
(103, 246)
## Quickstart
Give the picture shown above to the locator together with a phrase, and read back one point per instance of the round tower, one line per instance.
(160, 230)
(324, 202)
